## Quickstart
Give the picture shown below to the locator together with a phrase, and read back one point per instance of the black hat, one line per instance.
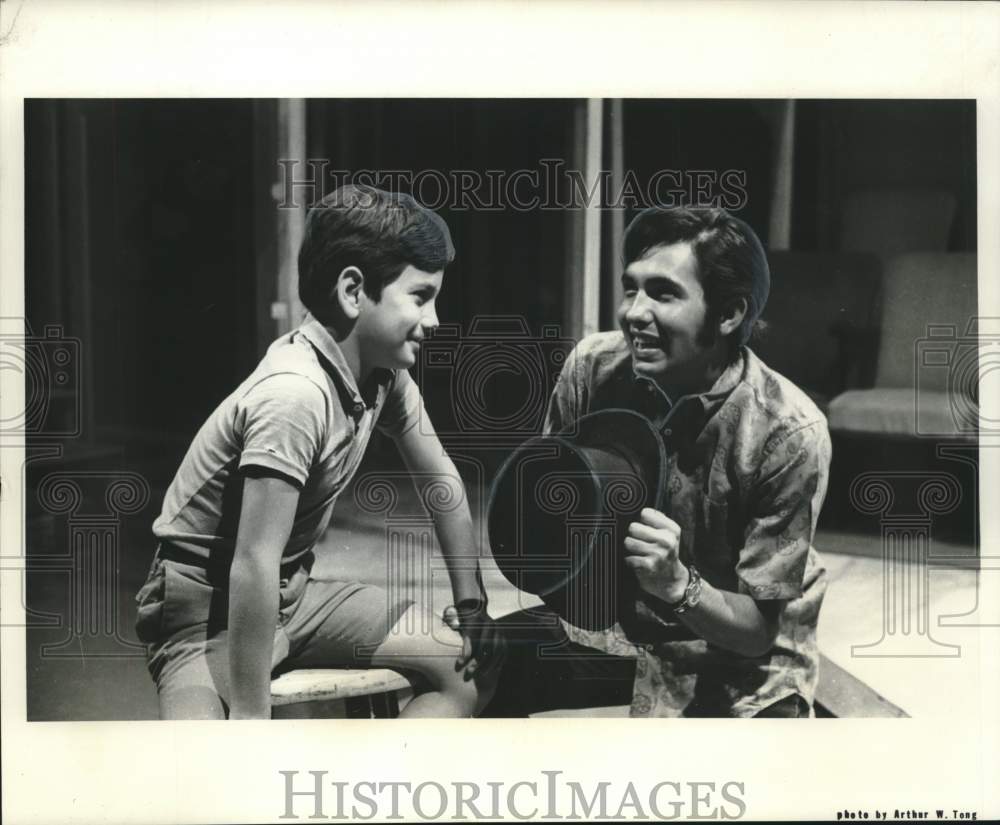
(560, 507)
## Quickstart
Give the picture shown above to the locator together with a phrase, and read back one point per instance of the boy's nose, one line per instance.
(430, 319)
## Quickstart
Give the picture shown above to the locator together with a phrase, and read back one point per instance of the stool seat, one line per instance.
(323, 684)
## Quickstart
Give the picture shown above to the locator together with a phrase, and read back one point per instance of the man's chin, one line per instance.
(647, 367)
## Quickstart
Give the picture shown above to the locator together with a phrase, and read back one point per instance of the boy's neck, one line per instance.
(352, 355)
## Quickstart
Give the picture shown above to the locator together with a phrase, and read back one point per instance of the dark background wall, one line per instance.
(149, 224)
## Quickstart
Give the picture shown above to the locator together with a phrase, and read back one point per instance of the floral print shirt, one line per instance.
(747, 470)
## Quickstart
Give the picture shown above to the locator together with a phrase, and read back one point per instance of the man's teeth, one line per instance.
(640, 344)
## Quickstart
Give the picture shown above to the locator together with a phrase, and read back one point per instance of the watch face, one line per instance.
(692, 594)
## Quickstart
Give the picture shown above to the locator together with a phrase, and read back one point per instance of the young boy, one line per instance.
(230, 595)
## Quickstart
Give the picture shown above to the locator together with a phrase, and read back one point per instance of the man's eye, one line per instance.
(629, 292)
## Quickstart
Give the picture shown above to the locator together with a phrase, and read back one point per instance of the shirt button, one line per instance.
(358, 407)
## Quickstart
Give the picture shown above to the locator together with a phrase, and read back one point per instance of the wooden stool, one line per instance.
(367, 694)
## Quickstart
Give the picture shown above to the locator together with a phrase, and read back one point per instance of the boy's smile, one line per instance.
(391, 329)
(663, 315)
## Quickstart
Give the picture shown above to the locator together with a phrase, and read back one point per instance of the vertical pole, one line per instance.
(583, 273)
(591, 309)
(80, 227)
(616, 123)
(288, 311)
(780, 234)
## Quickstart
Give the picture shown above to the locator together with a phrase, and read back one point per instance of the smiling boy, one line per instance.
(730, 585)
(230, 594)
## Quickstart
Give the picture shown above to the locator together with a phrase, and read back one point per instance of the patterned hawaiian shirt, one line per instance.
(747, 470)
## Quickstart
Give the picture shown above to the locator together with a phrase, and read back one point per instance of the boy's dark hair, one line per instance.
(380, 233)
(731, 260)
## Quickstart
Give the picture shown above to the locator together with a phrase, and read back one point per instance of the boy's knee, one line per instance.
(462, 691)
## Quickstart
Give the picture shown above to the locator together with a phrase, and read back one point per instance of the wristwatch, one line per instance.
(692, 593)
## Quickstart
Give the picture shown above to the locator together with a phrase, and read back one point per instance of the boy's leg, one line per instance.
(178, 622)
(182, 618)
(193, 679)
(338, 624)
(422, 642)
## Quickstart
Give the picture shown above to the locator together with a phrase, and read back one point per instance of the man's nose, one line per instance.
(638, 310)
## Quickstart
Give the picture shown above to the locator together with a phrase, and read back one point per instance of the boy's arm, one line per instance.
(266, 519)
(425, 458)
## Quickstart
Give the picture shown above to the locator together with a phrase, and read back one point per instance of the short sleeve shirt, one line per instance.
(746, 474)
(301, 414)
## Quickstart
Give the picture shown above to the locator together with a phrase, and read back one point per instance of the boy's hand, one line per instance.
(483, 645)
(651, 551)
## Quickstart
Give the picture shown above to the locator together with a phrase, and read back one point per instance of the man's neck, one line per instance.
(699, 380)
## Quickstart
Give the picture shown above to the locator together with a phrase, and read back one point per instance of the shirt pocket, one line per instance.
(149, 600)
(713, 546)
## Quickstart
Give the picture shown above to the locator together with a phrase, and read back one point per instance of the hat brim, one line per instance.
(590, 569)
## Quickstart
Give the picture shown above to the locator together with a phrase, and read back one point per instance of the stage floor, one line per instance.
(925, 672)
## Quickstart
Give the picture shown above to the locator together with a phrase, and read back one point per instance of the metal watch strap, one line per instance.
(692, 593)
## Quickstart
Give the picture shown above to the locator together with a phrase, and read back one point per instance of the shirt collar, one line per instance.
(336, 364)
(706, 403)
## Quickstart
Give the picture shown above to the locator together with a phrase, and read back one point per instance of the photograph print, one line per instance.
(500, 408)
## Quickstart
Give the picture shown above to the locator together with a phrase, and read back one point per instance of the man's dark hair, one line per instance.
(380, 233)
(731, 260)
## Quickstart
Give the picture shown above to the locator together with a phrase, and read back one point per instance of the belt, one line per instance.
(217, 566)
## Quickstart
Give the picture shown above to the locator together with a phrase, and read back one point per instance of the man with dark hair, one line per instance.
(230, 594)
(729, 584)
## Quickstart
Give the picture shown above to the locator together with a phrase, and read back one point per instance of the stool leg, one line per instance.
(358, 707)
(384, 705)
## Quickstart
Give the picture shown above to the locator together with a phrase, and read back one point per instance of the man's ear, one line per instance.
(348, 291)
(733, 314)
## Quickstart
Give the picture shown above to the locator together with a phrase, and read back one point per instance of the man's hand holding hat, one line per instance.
(651, 552)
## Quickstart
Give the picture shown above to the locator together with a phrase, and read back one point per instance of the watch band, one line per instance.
(692, 593)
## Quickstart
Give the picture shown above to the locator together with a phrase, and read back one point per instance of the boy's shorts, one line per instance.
(183, 622)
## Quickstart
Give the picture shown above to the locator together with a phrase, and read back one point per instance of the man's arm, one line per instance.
(787, 498)
(426, 459)
(730, 620)
(266, 519)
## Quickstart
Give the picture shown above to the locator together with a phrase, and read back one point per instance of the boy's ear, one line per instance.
(733, 314)
(348, 291)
